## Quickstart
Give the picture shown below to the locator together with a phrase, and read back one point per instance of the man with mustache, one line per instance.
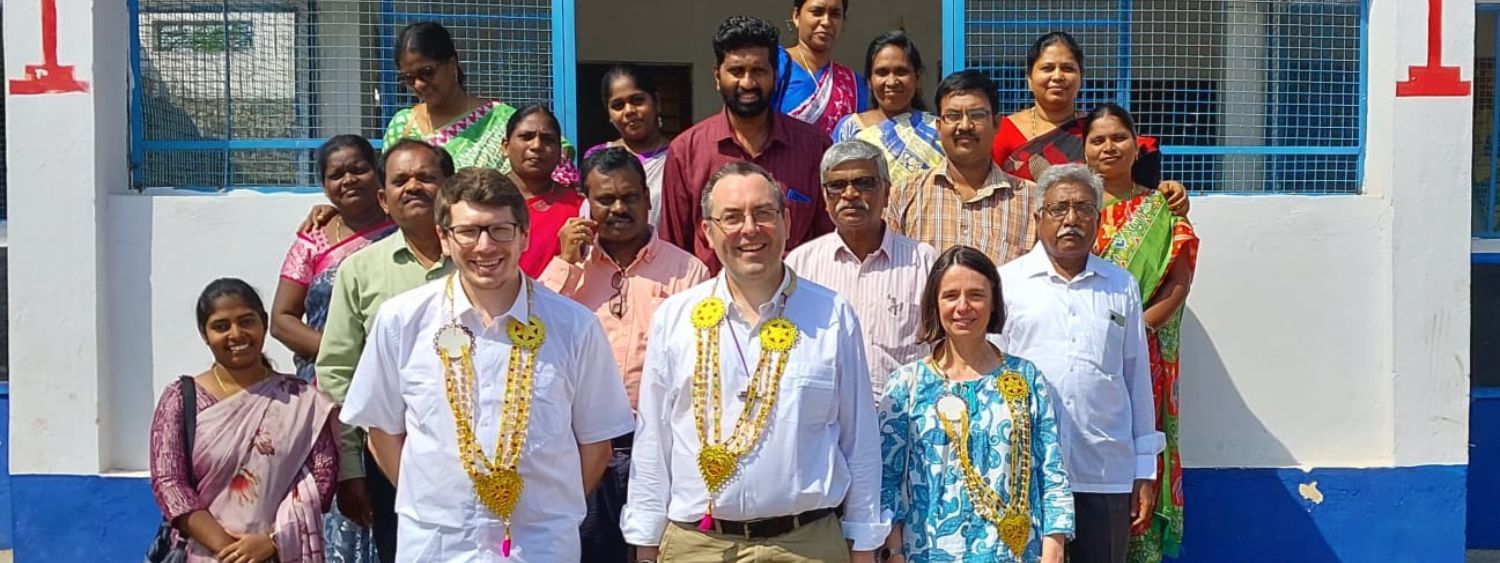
(615, 265)
(748, 129)
(967, 199)
(879, 271)
(1078, 318)
(756, 438)
(411, 170)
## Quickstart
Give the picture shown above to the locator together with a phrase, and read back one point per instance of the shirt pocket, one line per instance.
(809, 395)
(423, 398)
(551, 409)
(1106, 344)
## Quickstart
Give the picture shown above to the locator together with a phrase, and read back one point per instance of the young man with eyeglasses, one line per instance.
(967, 199)
(1078, 318)
(490, 401)
(757, 437)
(614, 264)
(879, 271)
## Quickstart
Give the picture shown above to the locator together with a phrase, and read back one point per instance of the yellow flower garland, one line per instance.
(1012, 519)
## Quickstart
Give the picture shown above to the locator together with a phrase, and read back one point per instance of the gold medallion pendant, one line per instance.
(496, 479)
(719, 456)
(1011, 517)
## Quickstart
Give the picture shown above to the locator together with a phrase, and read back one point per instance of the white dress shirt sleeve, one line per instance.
(601, 409)
(645, 516)
(859, 439)
(1148, 441)
(374, 399)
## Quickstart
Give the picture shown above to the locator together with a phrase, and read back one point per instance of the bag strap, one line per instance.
(189, 392)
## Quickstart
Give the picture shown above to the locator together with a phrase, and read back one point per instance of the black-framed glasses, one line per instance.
(425, 74)
(974, 115)
(617, 302)
(864, 185)
(468, 235)
(1059, 209)
(735, 220)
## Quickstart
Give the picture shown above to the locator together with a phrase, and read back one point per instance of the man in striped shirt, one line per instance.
(967, 199)
(879, 271)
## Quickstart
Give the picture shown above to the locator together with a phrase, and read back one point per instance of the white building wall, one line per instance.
(1322, 332)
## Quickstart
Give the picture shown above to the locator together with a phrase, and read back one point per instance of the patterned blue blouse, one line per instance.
(923, 486)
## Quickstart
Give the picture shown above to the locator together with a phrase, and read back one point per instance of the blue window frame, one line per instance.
(1486, 224)
(1245, 96)
(240, 94)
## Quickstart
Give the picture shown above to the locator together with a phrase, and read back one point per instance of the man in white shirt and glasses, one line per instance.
(757, 438)
(1078, 318)
(490, 400)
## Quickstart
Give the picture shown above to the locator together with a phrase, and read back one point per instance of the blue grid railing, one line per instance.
(1486, 223)
(1246, 96)
(239, 94)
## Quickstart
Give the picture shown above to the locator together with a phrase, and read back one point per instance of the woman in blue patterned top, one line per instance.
(973, 471)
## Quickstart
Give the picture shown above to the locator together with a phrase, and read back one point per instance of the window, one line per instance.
(1244, 95)
(240, 94)
(1486, 221)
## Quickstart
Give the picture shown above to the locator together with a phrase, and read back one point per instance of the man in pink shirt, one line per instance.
(879, 271)
(614, 264)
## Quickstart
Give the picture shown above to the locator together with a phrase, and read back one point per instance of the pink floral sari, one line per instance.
(250, 453)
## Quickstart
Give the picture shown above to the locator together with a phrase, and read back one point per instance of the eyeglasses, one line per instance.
(468, 235)
(974, 115)
(864, 185)
(425, 74)
(1059, 210)
(617, 302)
(735, 220)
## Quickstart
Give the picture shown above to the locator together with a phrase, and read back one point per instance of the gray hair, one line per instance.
(1071, 175)
(739, 168)
(854, 150)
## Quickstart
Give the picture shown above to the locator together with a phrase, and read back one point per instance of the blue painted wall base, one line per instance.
(1386, 515)
(1484, 469)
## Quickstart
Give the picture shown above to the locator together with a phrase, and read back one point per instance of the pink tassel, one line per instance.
(706, 524)
(505, 547)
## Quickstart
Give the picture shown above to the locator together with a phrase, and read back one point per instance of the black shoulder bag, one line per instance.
(163, 547)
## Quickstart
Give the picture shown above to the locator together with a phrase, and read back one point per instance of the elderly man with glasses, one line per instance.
(879, 271)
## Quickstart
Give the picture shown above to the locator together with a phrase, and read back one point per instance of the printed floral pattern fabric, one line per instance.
(923, 487)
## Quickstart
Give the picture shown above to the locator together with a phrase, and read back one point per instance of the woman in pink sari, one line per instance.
(263, 462)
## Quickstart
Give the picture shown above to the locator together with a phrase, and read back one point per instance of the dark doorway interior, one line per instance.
(676, 85)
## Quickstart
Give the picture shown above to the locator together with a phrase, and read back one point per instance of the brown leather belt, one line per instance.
(765, 527)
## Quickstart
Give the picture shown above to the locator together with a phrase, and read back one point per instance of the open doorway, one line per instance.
(675, 82)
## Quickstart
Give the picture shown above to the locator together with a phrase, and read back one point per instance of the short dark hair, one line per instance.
(899, 39)
(642, 81)
(482, 186)
(431, 40)
(740, 168)
(445, 160)
(798, 4)
(969, 80)
(346, 141)
(610, 159)
(931, 331)
(739, 32)
(1048, 40)
(1109, 109)
(528, 111)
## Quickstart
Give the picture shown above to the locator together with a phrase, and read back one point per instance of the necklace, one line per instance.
(1013, 517)
(1035, 111)
(802, 60)
(222, 387)
(497, 481)
(719, 459)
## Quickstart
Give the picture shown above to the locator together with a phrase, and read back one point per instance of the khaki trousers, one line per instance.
(818, 542)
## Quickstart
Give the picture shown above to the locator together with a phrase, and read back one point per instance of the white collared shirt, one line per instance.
(577, 398)
(885, 289)
(1087, 338)
(819, 449)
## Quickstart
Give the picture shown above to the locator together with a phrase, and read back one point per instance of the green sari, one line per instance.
(1140, 234)
(474, 139)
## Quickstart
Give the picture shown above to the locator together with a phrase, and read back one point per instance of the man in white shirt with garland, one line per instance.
(490, 400)
(1078, 318)
(757, 422)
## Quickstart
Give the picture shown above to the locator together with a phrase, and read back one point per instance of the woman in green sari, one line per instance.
(1138, 232)
(470, 128)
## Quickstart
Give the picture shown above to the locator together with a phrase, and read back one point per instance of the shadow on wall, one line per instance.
(1230, 510)
(130, 331)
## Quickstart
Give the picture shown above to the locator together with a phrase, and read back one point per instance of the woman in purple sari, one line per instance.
(264, 459)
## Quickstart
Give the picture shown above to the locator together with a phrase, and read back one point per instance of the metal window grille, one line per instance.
(240, 93)
(1244, 95)
(1486, 217)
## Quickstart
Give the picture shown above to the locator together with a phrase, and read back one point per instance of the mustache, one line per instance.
(415, 196)
(1065, 231)
(856, 204)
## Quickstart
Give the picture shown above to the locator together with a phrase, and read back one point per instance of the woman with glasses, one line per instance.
(1138, 233)
(472, 129)
(973, 469)
(899, 124)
